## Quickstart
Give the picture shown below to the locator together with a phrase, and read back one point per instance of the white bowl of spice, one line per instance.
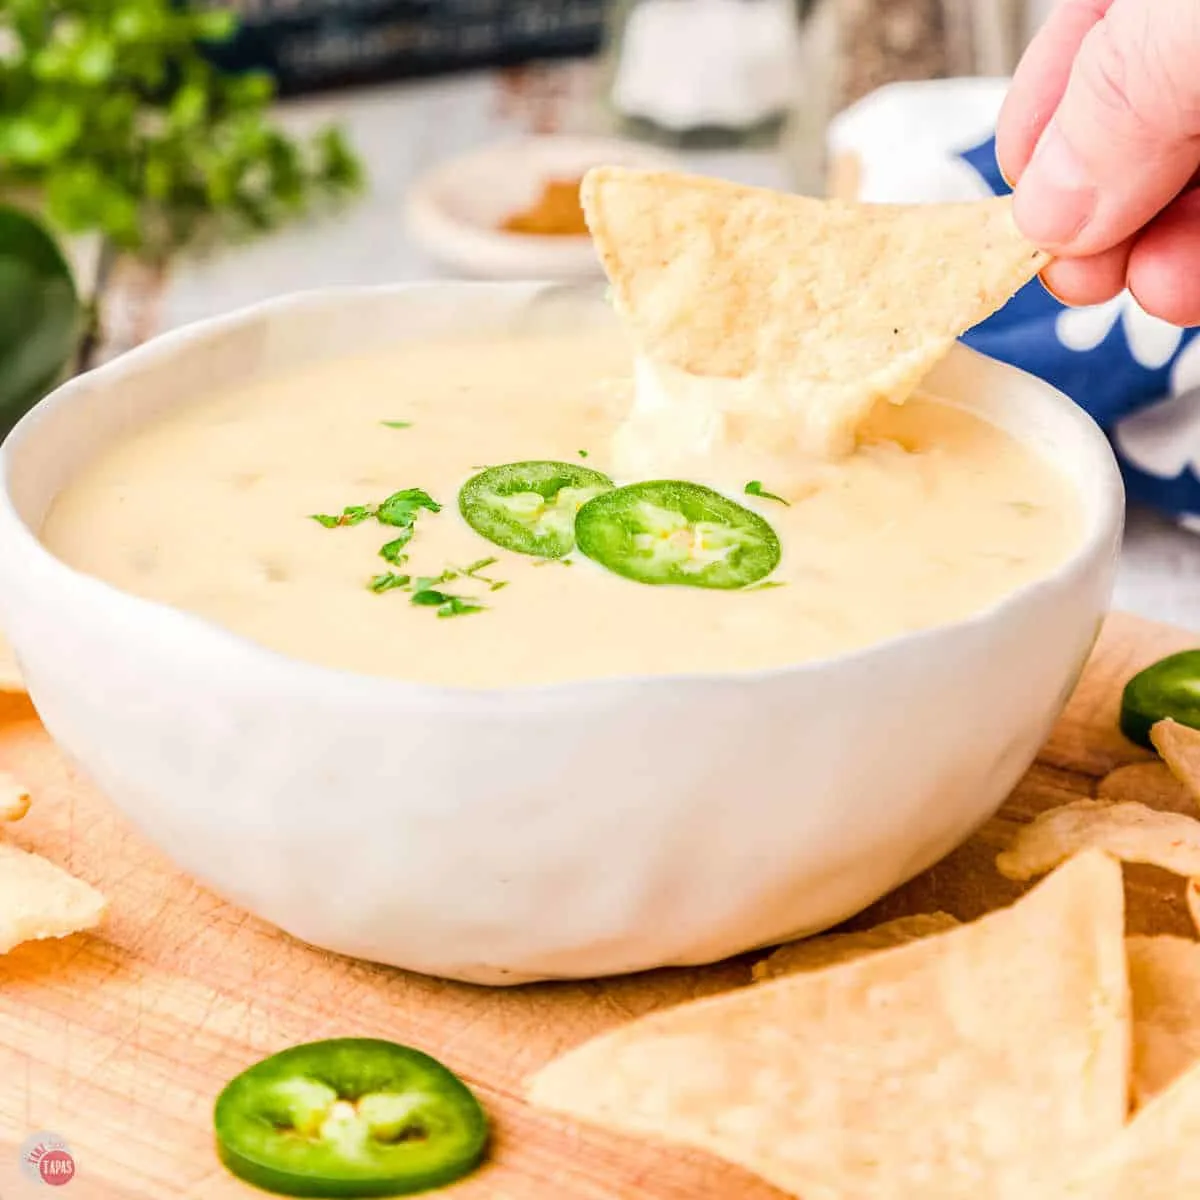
(511, 210)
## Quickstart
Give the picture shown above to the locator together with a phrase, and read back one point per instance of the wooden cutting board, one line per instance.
(119, 1042)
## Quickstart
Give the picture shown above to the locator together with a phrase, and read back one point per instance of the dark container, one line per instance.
(311, 45)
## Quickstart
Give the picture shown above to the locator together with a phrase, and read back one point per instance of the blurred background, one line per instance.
(162, 162)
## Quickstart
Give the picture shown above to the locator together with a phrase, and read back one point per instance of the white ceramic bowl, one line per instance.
(568, 830)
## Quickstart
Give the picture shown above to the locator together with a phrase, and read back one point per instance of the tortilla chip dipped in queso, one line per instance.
(409, 512)
(820, 308)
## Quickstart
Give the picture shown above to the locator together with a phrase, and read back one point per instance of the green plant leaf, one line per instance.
(116, 110)
(40, 315)
(38, 134)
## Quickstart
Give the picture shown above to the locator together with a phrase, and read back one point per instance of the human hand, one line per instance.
(1100, 134)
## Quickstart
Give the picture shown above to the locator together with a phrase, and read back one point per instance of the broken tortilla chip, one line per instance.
(997, 1051)
(1179, 746)
(1164, 979)
(841, 304)
(1157, 1157)
(1129, 831)
(14, 798)
(39, 900)
(816, 952)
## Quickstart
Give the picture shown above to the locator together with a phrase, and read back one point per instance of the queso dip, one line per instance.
(936, 515)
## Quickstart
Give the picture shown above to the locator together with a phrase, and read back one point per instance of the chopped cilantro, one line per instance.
(582, 453)
(401, 508)
(424, 582)
(472, 572)
(755, 488)
(428, 595)
(391, 550)
(447, 605)
(400, 511)
(397, 424)
(457, 606)
(389, 580)
(351, 515)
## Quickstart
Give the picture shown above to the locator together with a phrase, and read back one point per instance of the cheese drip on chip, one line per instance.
(776, 322)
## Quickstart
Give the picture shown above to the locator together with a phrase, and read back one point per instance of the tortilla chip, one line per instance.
(1179, 746)
(843, 303)
(1157, 1157)
(39, 900)
(1131, 832)
(997, 1051)
(816, 952)
(1164, 979)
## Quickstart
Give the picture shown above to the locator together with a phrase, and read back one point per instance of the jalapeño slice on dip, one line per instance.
(530, 507)
(349, 1117)
(1167, 688)
(670, 532)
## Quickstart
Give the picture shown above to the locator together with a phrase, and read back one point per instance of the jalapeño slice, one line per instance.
(349, 1117)
(530, 507)
(666, 531)
(1167, 688)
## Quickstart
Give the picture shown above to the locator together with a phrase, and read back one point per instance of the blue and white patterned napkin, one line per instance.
(918, 142)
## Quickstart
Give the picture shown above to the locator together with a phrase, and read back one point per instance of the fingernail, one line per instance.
(1056, 197)
(1046, 284)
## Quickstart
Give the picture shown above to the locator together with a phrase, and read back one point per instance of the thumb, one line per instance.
(1125, 137)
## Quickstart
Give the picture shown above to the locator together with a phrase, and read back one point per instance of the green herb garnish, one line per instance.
(457, 606)
(397, 424)
(582, 453)
(401, 508)
(354, 514)
(388, 581)
(755, 488)
(446, 604)
(473, 572)
(391, 550)
(424, 582)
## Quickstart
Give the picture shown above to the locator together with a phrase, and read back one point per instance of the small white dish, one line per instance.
(576, 829)
(456, 210)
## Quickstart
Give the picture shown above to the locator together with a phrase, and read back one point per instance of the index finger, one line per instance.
(1040, 81)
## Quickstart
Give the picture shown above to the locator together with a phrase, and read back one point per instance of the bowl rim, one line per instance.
(1104, 520)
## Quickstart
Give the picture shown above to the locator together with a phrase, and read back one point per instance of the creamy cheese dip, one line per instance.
(935, 516)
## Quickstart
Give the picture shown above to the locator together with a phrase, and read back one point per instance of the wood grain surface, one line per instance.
(119, 1041)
